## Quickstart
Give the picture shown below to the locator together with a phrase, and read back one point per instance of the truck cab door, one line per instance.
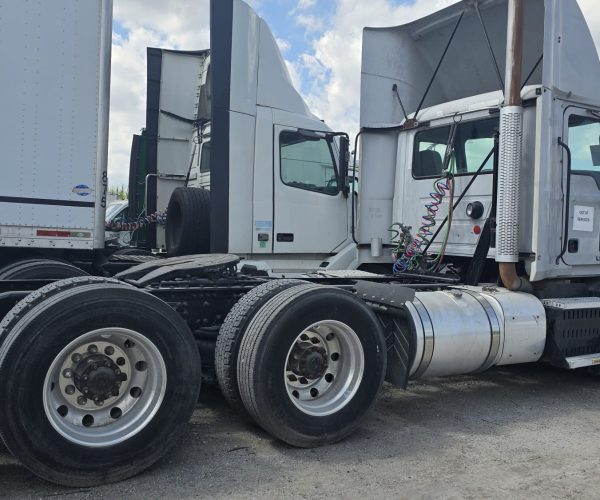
(310, 209)
(582, 133)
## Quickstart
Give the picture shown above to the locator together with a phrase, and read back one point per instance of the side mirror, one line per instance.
(344, 162)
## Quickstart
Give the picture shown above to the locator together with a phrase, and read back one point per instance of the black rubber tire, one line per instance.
(188, 222)
(264, 349)
(41, 269)
(40, 295)
(232, 331)
(33, 336)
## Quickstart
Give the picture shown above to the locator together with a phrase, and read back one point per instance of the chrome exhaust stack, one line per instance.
(511, 145)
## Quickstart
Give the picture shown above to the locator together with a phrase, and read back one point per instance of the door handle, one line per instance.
(285, 237)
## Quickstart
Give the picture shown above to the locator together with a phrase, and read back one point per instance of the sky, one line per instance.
(320, 41)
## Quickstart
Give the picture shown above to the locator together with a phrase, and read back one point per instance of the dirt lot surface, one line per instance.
(520, 432)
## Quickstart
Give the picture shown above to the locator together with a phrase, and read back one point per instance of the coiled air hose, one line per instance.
(413, 255)
(159, 217)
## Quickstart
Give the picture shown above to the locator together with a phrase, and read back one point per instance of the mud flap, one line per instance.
(387, 300)
(400, 349)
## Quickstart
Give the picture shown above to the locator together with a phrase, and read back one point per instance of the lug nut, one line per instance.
(76, 358)
(67, 373)
(107, 363)
(99, 402)
(109, 350)
(70, 389)
(81, 400)
(92, 349)
(117, 371)
(85, 390)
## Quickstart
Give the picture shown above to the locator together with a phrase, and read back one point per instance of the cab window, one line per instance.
(584, 142)
(473, 142)
(205, 158)
(307, 163)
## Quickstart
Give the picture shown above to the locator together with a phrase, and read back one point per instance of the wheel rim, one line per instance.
(104, 387)
(324, 368)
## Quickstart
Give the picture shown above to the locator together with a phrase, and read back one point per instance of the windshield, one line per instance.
(113, 209)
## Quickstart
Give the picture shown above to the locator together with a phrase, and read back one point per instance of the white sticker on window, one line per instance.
(583, 219)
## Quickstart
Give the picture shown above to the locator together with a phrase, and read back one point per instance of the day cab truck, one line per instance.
(473, 242)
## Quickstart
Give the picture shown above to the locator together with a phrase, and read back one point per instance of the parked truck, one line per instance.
(171, 164)
(497, 266)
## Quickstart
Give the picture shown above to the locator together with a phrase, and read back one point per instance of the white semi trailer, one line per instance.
(53, 136)
(99, 376)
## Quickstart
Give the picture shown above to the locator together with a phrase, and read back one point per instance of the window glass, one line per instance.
(307, 163)
(476, 150)
(205, 158)
(584, 142)
(473, 142)
(429, 152)
(122, 215)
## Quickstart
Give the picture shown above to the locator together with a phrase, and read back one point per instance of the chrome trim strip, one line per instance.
(428, 337)
(494, 329)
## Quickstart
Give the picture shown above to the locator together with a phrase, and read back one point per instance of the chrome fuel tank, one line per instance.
(469, 329)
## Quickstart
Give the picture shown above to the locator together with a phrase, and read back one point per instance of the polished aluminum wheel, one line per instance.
(104, 387)
(324, 368)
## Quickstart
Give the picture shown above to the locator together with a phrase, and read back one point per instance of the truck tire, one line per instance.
(141, 370)
(311, 364)
(41, 269)
(40, 295)
(188, 222)
(232, 331)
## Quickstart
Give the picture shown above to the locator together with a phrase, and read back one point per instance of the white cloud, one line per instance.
(304, 5)
(284, 45)
(331, 68)
(310, 23)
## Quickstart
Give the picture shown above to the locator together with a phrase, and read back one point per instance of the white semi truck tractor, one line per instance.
(479, 200)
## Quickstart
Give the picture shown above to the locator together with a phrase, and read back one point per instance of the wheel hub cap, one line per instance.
(97, 377)
(308, 360)
(324, 368)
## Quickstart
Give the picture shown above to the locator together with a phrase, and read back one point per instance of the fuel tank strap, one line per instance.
(429, 338)
(494, 329)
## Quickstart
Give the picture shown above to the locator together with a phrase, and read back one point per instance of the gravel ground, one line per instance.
(520, 432)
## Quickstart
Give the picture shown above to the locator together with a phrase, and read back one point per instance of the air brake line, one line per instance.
(463, 194)
(413, 252)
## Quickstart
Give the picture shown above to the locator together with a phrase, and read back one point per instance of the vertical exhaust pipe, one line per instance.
(511, 144)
